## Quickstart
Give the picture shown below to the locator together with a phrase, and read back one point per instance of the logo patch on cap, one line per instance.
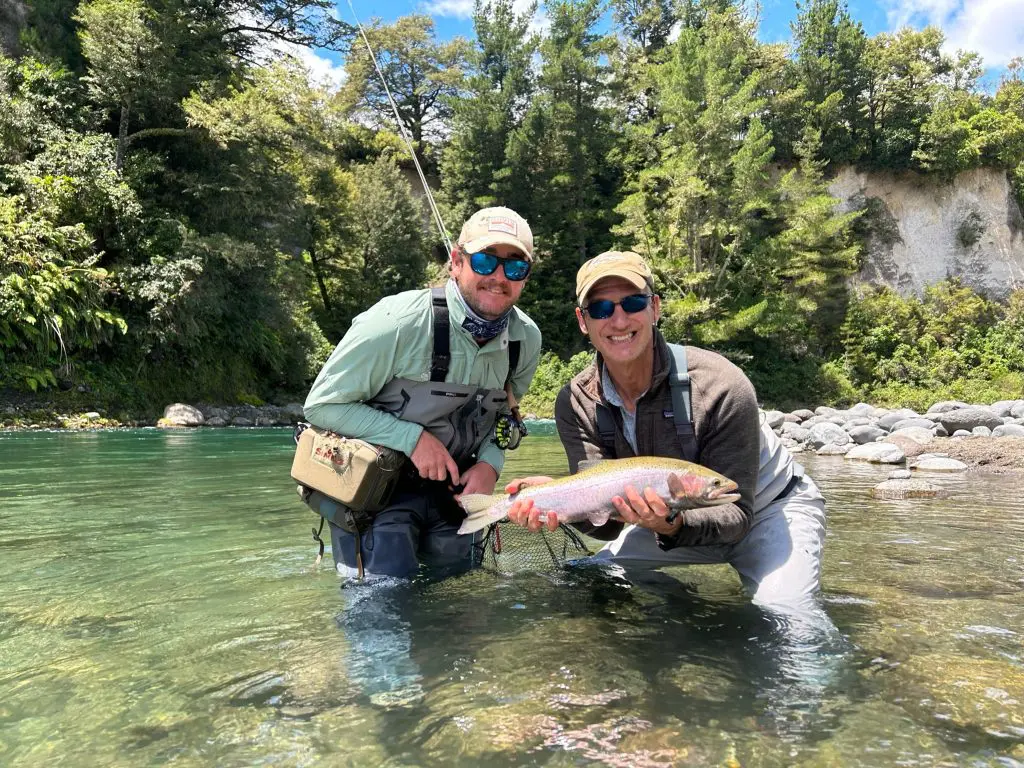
(502, 224)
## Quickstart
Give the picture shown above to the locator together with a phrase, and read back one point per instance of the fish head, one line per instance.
(702, 487)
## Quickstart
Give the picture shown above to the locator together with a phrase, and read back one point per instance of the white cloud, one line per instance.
(322, 71)
(992, 28)
(460, 9)
(463, 9)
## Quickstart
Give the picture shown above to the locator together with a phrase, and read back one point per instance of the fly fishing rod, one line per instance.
(435, 212)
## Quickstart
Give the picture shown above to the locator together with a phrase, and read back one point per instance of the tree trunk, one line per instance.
(122, 136)
(319, 275)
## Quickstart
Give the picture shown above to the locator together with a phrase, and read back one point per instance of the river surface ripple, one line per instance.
(159, 604)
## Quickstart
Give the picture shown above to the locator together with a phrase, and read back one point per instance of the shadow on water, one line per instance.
(612, 656)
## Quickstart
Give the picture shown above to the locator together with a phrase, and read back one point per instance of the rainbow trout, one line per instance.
(587, 495)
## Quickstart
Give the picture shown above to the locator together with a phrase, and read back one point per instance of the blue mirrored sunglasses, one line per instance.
(602, 309)
(485, 263)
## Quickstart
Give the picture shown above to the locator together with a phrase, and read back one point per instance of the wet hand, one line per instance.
(480, 478)
(432, 459)
(647, 511)
(523, 511)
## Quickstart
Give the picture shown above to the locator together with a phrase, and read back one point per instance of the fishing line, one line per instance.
(404, 134)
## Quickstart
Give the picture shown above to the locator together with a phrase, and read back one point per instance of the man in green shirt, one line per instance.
(377, 386)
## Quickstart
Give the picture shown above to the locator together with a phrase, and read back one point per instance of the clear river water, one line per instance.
(159, 605)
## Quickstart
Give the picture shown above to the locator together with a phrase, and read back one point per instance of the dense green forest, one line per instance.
(184, 217)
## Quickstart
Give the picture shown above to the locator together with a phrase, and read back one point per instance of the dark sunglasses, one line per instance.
(602, 309)
(485, 263)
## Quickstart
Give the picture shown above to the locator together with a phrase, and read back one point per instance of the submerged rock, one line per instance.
(907, 489)
(938, 464)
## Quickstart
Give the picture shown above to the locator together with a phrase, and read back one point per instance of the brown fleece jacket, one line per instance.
(725, 419)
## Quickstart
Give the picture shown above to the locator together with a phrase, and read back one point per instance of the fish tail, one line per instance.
(481, 510)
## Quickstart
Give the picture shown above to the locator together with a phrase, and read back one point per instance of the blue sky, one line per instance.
(993, 28)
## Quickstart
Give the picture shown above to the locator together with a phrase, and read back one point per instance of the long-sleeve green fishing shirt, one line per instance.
(395, 339)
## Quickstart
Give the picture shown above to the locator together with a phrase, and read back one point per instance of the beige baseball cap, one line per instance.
(625, 264)
(496, 226)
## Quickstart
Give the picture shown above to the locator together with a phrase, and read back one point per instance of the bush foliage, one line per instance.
(179, 221)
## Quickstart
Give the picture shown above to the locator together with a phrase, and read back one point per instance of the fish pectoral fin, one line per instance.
(675, 486)
(590, 463)
(480, 511)
(600, 517)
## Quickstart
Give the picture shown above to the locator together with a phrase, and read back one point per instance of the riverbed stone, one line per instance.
(1008, 430)
(824, 410)
(834, 449)
(1003, 407)
(802, 414)
(962, 433)
(886, 422)
(969, 418)
(862, 409)
(906, 489)
(857, 421)
(216, 421)
(982, 431)
(938, 464)
(181, 415)
(826, 433)
(944, 406)
(900, 474)
(241, 421)
(909, 446)
(1018, 410)
(793, 429)
(914, 421)
(877, 453)
(917, 434)
(976, 694)
(866, 433)
(774, 419)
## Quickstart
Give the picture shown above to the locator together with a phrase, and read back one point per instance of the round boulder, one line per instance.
(947, 405)
(1008, 430)
(877, 453)
(867, 433)
(968, 418)
(181, 415)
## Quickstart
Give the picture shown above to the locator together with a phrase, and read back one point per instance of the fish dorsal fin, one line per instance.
(591, 463)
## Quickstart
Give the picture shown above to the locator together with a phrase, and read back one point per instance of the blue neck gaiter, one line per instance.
(478, 326)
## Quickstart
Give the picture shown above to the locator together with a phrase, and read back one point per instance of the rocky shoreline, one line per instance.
(953, 435)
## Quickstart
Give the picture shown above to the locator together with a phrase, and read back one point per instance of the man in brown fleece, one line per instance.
(773, 536)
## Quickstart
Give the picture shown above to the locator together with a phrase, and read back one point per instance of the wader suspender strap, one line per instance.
(682, 402)
(441, 357)
(682, 409)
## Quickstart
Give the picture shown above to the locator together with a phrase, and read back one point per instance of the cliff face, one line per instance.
(922, 230)
(12, 20)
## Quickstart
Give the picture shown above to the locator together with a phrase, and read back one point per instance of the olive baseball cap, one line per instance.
(496, 226)
(625, 264)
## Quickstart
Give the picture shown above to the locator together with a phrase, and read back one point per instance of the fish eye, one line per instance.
(716, 482)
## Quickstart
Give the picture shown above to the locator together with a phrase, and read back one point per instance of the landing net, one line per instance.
(510, 548)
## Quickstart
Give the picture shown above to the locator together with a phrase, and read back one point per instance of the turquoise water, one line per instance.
(159, 604)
